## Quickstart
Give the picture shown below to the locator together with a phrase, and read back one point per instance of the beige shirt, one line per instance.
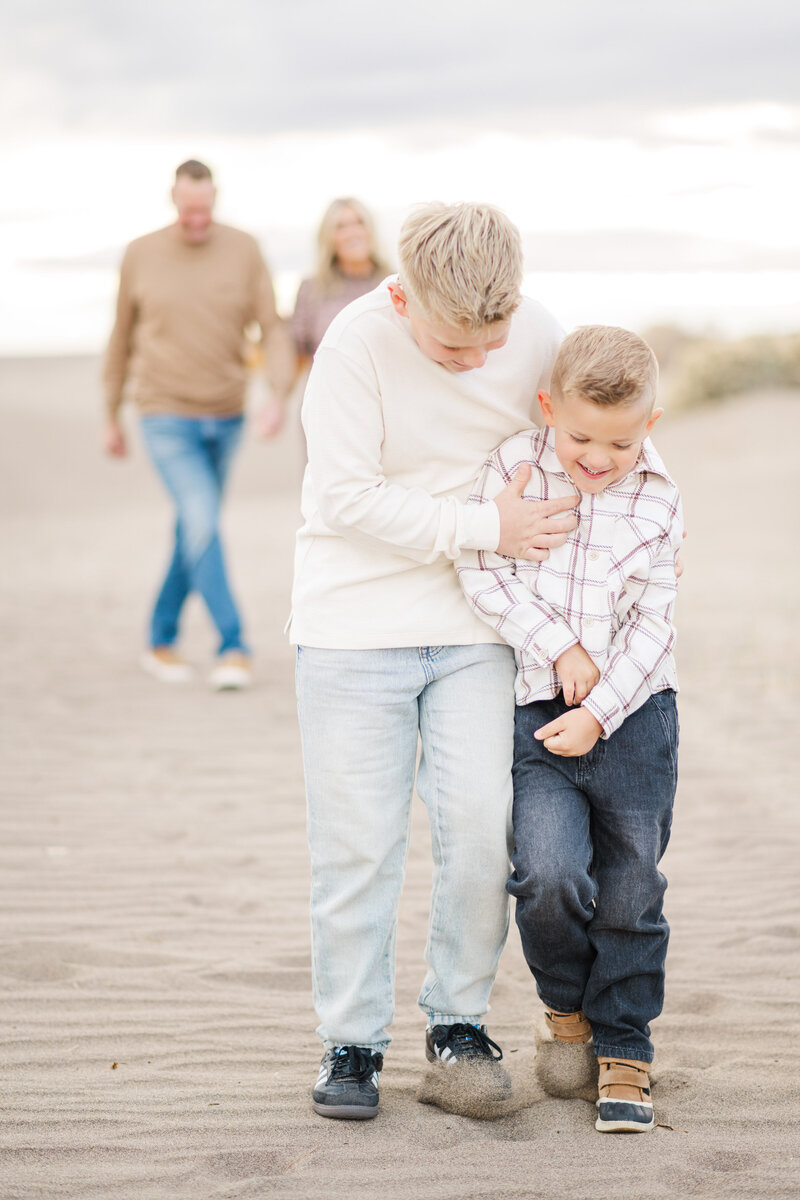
(182, 309)
(394, 444)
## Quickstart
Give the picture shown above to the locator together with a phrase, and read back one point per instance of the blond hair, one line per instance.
(461, 263)
(606, 365)
(327, 275)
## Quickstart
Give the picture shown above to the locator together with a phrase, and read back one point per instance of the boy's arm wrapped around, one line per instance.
(345, 426)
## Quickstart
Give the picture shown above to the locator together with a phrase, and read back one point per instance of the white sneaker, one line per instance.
(163, 663)
(233, 672)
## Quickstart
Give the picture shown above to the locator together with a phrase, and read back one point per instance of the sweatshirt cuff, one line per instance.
(481, 526)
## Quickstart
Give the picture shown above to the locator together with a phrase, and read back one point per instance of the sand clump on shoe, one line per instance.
(566, 1070)
(471, 1092)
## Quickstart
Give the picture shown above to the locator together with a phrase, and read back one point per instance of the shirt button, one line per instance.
(588, 621)
(593, 556)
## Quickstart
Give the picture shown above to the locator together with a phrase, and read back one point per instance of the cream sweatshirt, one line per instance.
(395, 442)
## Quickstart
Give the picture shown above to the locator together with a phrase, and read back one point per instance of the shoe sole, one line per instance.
(346, 1112)
(166, 674)
(621, 1124)
(230, 682)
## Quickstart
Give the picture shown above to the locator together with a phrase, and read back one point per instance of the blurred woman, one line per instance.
(348, 265)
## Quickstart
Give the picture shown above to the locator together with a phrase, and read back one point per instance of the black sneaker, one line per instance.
(469, 1047)
(348, 1083)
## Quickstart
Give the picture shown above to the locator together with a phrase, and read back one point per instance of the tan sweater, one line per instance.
(178, 337)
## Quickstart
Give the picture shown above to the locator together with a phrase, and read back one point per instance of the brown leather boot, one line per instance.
(567, 1027)
(624, 1104)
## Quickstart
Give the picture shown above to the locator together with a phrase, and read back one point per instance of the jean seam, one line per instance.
(670, 737)
(436, 842)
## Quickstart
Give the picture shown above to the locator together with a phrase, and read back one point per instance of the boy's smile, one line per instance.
(597, 444)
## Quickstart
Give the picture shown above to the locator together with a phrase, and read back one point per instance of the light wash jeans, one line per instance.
(193, 457)
(362, 714)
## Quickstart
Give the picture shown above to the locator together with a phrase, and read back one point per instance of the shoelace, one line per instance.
(471, 1041)
(354, 1062)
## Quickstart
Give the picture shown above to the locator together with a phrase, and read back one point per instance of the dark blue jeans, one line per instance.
(193, 457)
(589, 834)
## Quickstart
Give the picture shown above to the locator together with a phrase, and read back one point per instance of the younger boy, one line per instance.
(596, 731)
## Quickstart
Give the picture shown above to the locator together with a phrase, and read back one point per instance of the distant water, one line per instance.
(61, 311)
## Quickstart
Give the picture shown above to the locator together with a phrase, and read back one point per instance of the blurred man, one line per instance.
(186, 295)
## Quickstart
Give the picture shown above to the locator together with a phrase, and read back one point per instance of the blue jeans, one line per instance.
(589, 834)
(362, 714)
(193, 457)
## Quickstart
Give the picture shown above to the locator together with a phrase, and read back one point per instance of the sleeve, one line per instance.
(498, 594)
(645, 639)
(343, 422)
(115, 370)
(279, 355)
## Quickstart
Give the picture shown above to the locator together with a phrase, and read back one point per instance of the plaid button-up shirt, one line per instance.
(611, 587)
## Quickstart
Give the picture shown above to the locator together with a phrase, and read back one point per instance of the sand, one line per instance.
(158, 1033)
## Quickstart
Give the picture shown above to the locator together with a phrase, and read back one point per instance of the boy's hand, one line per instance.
(528, 528)
(570, 735)
(578, 674)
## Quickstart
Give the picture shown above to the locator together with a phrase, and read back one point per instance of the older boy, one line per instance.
(595, 756)
(411, 387)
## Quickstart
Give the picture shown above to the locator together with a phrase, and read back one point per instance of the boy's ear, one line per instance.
(399, 302)
(656, 413)
(546, 405)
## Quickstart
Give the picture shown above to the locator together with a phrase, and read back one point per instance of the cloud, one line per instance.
(248, 67)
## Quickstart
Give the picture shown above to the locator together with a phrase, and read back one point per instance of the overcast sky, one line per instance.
(622, 136)
(256, 67)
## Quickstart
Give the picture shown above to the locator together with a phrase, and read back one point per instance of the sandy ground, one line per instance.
(158, 1034)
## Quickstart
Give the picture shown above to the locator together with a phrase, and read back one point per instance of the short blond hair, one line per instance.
(461, 263)
(606, 365)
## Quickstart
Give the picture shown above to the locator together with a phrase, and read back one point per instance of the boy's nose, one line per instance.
(475, 356)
